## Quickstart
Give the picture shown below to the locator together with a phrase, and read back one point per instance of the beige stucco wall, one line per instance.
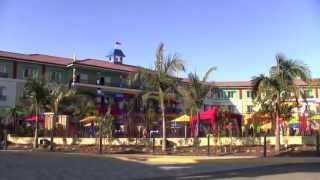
(179, 142)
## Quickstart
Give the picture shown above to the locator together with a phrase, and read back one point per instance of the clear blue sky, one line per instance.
(240, 37)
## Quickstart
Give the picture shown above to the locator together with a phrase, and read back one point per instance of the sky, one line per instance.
(239, 37)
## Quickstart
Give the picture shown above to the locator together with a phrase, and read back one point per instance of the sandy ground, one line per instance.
(49, 166)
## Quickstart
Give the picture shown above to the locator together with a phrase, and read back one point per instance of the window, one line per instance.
(84, 78)
(250, 109)
(251, 94)
(231, 108)
(230, 94)
(107, 80)
(2, 93)
(248, 94)
(29, 73)
(3, 70)
(55, 76)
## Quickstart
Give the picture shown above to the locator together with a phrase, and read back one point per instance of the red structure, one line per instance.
(211, 116)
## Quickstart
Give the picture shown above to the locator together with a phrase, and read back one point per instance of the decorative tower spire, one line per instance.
(116, 56)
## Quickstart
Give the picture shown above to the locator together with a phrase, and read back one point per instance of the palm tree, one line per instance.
(274, 91)
(58, 93)
(195, 92)
(161, 80)
(104, 122)
(36, 92)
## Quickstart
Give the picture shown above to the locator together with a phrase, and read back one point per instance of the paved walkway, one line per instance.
(49, 166)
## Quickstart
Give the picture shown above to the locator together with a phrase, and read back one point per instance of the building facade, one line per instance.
(110, 77)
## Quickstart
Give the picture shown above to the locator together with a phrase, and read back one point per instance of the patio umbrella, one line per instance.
(183, 119)
(33, 118)
(266, 126)
(89, 120)
(315, 117)
(293, 121)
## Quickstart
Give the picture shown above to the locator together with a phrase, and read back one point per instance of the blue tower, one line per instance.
(116, 56)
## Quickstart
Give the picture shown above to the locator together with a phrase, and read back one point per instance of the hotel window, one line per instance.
(55, 76)
(84, 78)
(251, 94)
(29, 73)
(230, 94)
(107, 79)
(250, 109)
(2, 93)
(248, 94)
(231, 108)
(3, 70)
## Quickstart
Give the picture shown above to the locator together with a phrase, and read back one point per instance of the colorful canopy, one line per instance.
(183, 118)
(293, 121)
(211, 116)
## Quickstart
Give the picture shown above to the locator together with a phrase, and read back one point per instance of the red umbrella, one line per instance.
(33, 118)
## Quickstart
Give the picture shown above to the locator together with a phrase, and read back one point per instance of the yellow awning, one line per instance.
(183, 118)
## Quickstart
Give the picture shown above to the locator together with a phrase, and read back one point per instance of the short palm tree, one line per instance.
(58, 94)
(275, 90)
(195, 92)
(36, 95)
(161, 80)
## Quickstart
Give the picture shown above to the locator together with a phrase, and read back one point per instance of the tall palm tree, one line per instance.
(161, 80)
(275, 90)
(36, 92)
(195, 92)
(58, 93)
(104, 122)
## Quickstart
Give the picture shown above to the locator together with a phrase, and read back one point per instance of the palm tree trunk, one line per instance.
(53, 123)
(277, 134)
(163, 120)
(35, 140)
(100, 138)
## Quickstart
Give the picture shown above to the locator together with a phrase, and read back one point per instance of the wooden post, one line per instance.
(265, 146)
(208, 145)
(317, 143)
(153, 144)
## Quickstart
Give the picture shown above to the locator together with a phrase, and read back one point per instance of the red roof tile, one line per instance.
(37, 58)
(232, 83)
(106, 64)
